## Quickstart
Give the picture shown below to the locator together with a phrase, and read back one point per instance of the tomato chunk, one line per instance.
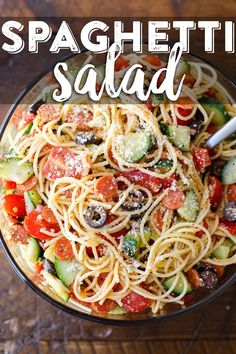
(229, 225)
(231, 193)
(18, 234)
(106, 187)
(14, 205)
(27, 185)
(201, 233)
(194, 278)
(174, 199)
(80, 116)
(63, 162)
(121, 63)
(143, 179)
(215, 191)
(34, 222)
(9, 185)
(158, 218)
(153, 60)
(212, 128)
(62, 249)
(189, 80)
(107, 306)
(201, 159)
(48, 215)
(134, 302)
(119, 233)
(48, 112)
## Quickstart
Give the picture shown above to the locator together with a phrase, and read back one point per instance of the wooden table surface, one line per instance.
(29, 324)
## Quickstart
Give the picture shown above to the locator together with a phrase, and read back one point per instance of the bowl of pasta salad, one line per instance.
(117, 212)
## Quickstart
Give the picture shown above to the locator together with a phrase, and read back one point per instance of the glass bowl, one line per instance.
(12, 251)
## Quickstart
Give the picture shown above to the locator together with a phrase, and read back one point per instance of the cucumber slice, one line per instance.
(157, 99)
(134, 146)
(66, 270)
(29, 206)
(118, 310)
(56, 285)
(229, 172)
(35, 197)
(28, 129)
(147, 236)
(131, 244)
(190, 209)
(164, 165)
(179, 286)
(48, 254)
(182, 68)
(10, 170)
(212, 105)
(31, 251)
(180, 136)
(222, 252)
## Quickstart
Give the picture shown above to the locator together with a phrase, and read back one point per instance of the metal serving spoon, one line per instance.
(222, 134)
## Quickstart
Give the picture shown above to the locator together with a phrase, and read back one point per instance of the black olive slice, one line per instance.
(230, 211)
(84, 138)
(134, 200)
(35, 106)
(95, 216)
(195, 127)
(209, 279)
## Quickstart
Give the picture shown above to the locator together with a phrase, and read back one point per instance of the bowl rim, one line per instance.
(90, 317)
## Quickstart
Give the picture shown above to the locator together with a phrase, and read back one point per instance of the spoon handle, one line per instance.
(222, 134)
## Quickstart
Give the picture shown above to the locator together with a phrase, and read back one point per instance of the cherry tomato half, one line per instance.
(107, 306)
(231, 193)
(201, 159)
(121, 63)
(134, 302)
(153, 60)
(106, 186)
(215, 191)
(27, 185)
(174, 199)
(34, 222)
(14, 205)
(62, 249)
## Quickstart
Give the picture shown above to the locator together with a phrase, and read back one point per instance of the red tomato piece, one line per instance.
(188, 297)
(134, 302)
(9, 185)
(200, 233)
(229, 225)
(102, 277)
(174, 199)
(62, 249)
(34, 222)
(38, 267)
(153, 60)
(14, 205)
(158, 218)
(48, 112)
(201, 159)
(100, 250)
(81, 118)
(189, 80)
(107, 306)
(143, 179)
(119, 233)
(215, 191)
(18, 234)
(121, 63)
(48, 215)
(231, 193)
(107, 187)
(63, 162)
(194, 278)
(149, 105)
(72, 295)
(184, 107)
(212, 128)
(27, 118)
(27, 185)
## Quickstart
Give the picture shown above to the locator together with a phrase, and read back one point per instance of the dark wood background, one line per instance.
(30, 325)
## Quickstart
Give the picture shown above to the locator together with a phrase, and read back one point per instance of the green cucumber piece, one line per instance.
(222, 252)
(190, 209)
(157, 99)
(134, 146)
(10, 170)
(118, 310)
(28, 129)
(164, 165)
(48, 254)
(229, 172)
(182, 68)
(179, 286)
(212, 105)
(131, 244)
(180, 136)
(56, 285)
(147, 235)
(66, 270)
(31, 250)
(35, 197)
(29, 206)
